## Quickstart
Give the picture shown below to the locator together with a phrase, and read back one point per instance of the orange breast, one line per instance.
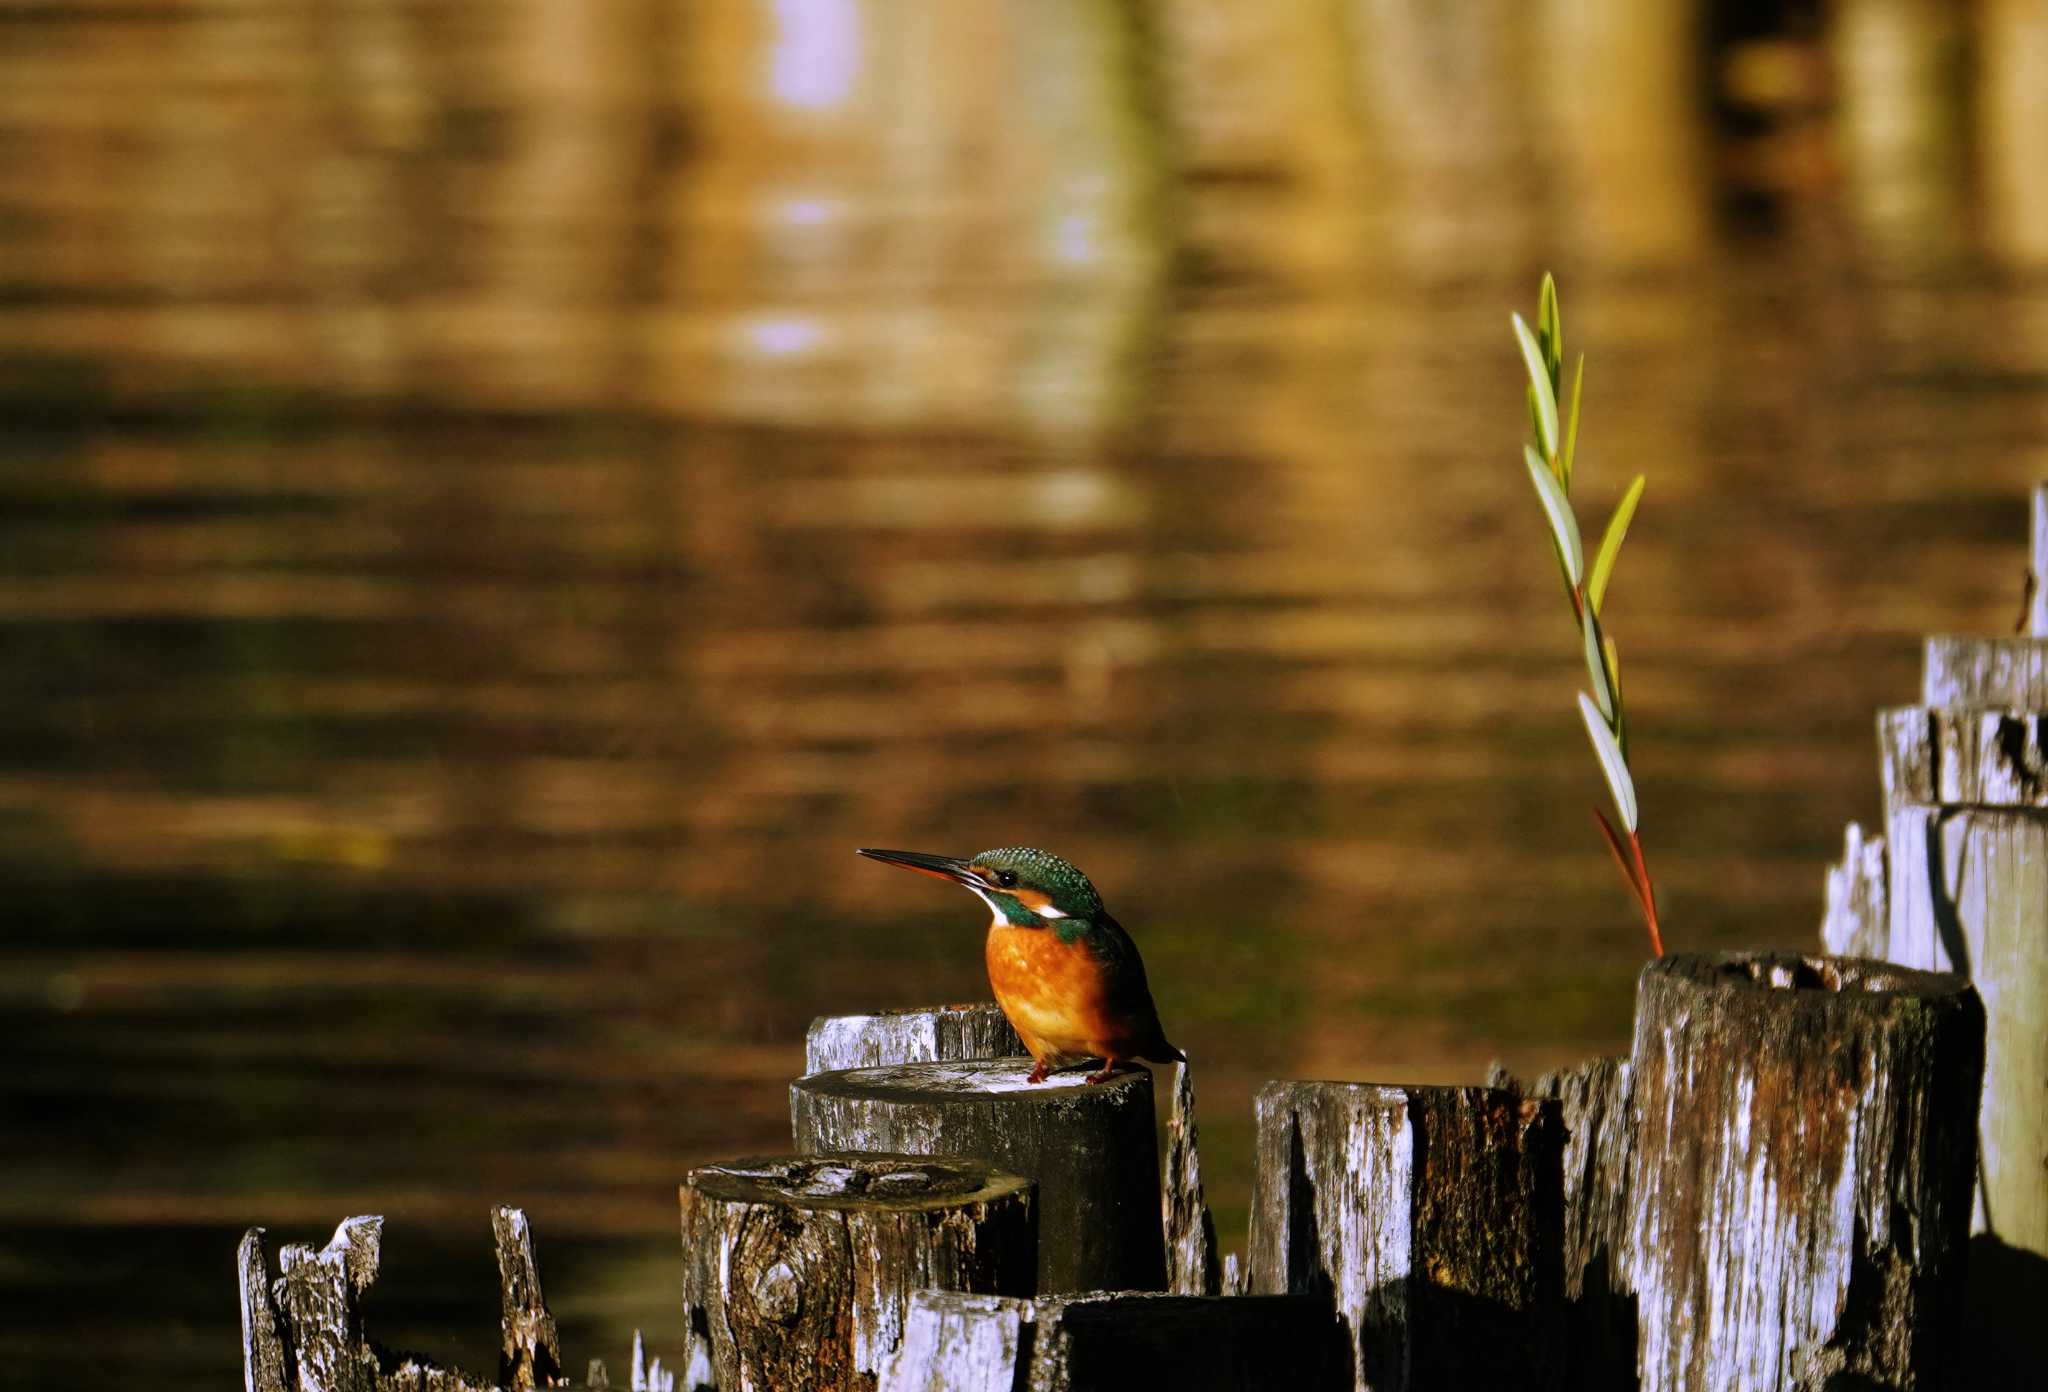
(1052, 991)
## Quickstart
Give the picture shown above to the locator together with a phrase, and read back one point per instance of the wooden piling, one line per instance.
(1857, 919)
(1091, 1149)
(1798, 1198)
(302, 1331)
(529, 1353)
(956, 1033)
(1190, 1228)
(319, 1292)
(267, 1363)
(930, 1034)
(1965, 794)
(1431, 1217)
(1114, 1342)
(1965, 777)
(803, 1265)
(1599, 1341)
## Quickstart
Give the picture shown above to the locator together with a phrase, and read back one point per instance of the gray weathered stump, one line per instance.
(529, 1353)
(803, 1265)
(1966, 798)
(933, 1034)
(955, 1033)
(1117, 1341)
(1431, 1216)
(1799, 1195)
(1959, 881)
(1600, 1320)
(303, 1331)
(1191, 1264)
(1091, 1148)
(267, 1362)
(1966, 809)
(1856, 921)
(319, 1293)
(926, 1034)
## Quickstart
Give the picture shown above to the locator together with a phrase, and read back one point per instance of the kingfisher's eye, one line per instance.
(1007, 878)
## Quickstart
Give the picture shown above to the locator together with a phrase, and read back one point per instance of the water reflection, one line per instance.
(2011, 112)
(499, 499)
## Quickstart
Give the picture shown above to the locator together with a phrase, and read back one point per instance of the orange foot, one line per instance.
(1037, 1072)
(1108, 1072)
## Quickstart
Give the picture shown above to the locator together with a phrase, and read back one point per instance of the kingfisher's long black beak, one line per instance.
(941, 867)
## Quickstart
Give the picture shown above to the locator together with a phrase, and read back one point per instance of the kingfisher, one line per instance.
(1065, 973)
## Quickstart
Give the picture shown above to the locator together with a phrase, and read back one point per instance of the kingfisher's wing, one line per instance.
(1129, 994)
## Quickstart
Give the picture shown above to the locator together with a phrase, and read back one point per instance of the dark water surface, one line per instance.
(497, 500)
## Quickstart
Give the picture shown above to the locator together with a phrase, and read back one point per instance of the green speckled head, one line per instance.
(1039, 877)
(1027, 888)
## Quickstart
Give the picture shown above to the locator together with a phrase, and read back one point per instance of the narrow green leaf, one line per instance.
(1611, 763)
(1610, 544)
(1549, 328)
(1614, 681)
(1571, 430)
(1564, 526)
(1539, 380)
(1596, 667)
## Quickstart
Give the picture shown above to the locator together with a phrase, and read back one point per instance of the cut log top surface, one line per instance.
(903, 1182)
(1006, 1079)
(1767, 975)
(1091, 1148)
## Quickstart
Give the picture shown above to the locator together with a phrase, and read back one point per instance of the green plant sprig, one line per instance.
(1550, 456)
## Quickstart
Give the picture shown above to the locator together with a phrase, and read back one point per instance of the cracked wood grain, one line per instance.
(1092, 1150)
(529, 1351)
(1191, 1264)
(1110, 1342)
(932, 1034)
(803, 1266)
(1432, 1218)
(1798, 1202)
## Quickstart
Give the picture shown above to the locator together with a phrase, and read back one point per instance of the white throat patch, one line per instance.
(1045, 911)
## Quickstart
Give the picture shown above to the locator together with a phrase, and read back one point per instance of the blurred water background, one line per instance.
(497, 499)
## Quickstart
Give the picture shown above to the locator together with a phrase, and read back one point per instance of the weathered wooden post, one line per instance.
(1091, 1148)
(1856, 921)
(1966, 824)
(803, 1266)
(267, 1361)
(319, 1292)
(1431, 1216)
(1798, 1202)
(931, 1034)
(956, 1033)
(1190, 1228)
(1959, 882)
(303, 1330)
(529, 1351)
(1600, 1317)
(1115, 1342)
(1966, 791)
